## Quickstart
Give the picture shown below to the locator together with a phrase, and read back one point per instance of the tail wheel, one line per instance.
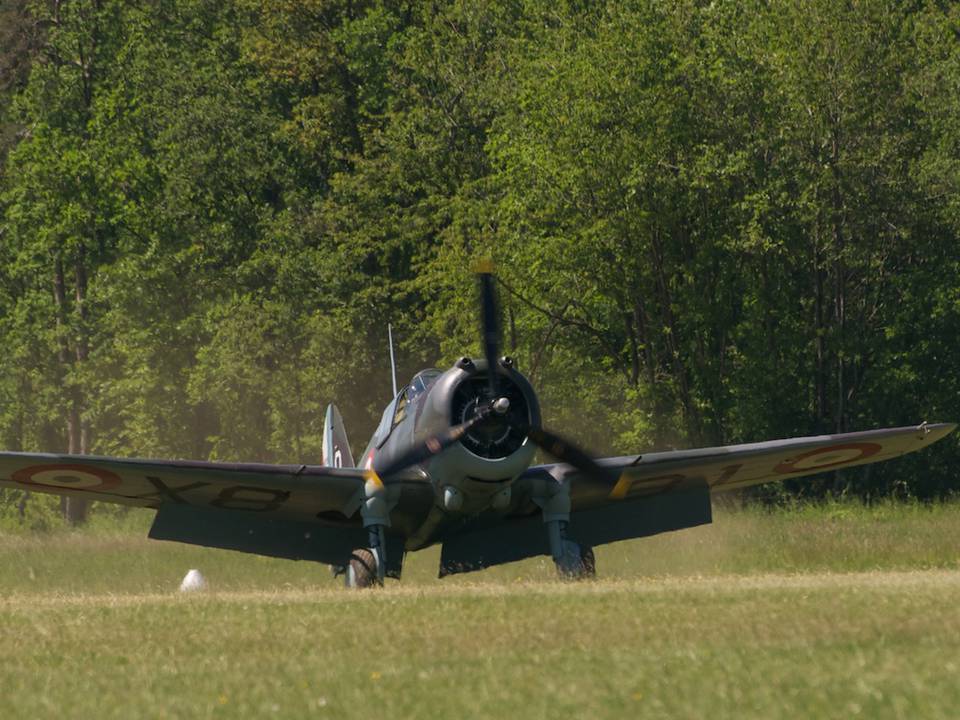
(362, 569)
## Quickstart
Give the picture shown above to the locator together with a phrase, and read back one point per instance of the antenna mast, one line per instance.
(393, 363)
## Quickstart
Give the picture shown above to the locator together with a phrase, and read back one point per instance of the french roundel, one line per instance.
(68, 477)
(828, 457)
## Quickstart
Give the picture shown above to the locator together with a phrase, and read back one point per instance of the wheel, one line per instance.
(361, 570)
(577, 563)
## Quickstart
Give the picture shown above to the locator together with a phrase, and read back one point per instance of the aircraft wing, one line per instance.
(293, 491)
(294, 511)
(738, 466)
(644, 495)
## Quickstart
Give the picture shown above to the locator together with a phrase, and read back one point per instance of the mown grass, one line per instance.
(113, 554)
(833, 611)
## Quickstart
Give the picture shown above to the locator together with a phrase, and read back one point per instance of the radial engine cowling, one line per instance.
(494, 450)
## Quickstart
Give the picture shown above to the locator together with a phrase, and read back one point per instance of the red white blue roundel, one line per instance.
(67, 476)
(828, 457)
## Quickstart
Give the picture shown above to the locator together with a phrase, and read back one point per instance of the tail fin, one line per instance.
(336, 448)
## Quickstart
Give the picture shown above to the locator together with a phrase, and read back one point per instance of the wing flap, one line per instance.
(476, 548)
(245, 532)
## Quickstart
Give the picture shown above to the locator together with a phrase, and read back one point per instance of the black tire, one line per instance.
(361, 570)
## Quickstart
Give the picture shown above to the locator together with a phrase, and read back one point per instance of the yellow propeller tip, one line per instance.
(371, 476)
(484, 266)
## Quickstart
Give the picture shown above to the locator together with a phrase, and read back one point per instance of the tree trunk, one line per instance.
(73, 509)
(628, 319)
(77, 508)
(820, 380)
(839, 302)
(690, 412)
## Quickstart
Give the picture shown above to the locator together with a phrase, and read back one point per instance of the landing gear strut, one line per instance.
(367, 566)
(573, 561)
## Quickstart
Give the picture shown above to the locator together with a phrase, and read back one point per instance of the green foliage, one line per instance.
(714, 222)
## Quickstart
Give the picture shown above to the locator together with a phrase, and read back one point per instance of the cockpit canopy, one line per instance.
(421, 382)
(396, 411)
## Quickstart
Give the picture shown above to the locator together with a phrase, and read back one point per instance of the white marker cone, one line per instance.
(193, 581)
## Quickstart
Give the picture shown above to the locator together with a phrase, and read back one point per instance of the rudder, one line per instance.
(336, 447)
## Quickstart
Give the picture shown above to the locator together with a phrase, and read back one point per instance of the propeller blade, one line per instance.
(565, 451)
(491, 328)
(434, 444)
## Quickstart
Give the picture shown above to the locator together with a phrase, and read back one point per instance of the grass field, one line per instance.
(832, 611)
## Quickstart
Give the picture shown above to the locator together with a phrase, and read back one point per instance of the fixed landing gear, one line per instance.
(367, 566)
(576, 562)
(573, 561)
(361, 571)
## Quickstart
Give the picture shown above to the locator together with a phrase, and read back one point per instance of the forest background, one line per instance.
(714, 222)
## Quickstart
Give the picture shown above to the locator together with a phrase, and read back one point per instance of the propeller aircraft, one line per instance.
(450, 463)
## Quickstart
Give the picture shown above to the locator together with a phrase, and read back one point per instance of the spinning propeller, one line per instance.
(494, 404)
